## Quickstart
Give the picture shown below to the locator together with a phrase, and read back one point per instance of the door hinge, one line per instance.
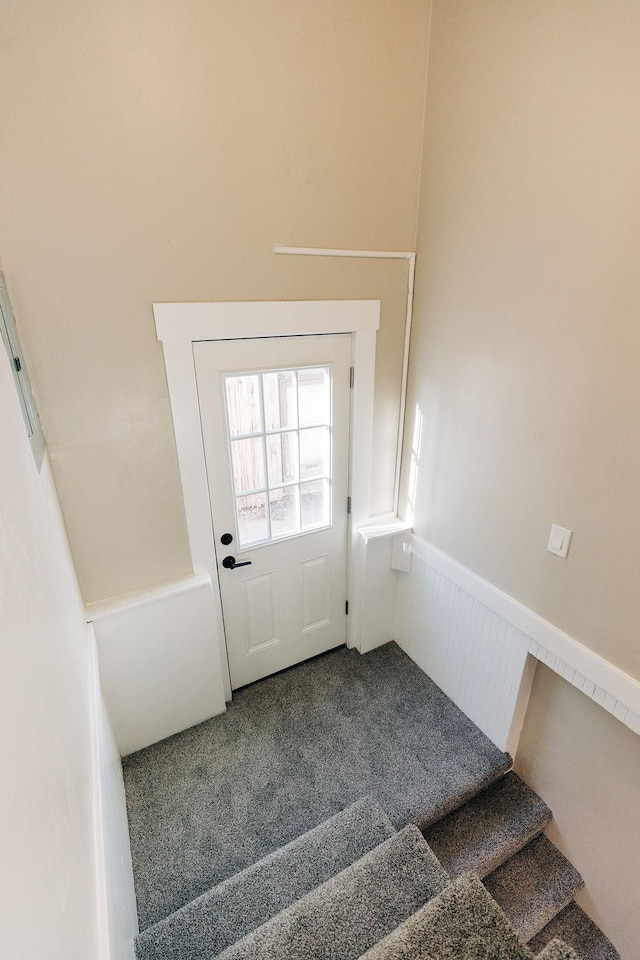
(17, 364)
(346, 607)
(348, 505)
(352, 377)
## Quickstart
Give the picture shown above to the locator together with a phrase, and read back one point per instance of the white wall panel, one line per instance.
(378, 594)
(475, 656)
(159, 661)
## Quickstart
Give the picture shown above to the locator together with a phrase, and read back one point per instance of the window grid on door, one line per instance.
(279, 426)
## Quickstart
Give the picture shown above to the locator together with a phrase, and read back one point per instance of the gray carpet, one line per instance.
(343, 917)
(290, 752)
(574, 927)
(558, 950)
(462, 923)
(230, 911)
(490, 828)
(533, 886)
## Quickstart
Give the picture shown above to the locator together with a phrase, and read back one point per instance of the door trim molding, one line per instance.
(180, 325)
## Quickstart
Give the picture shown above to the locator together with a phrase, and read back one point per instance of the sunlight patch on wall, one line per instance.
(414, 463)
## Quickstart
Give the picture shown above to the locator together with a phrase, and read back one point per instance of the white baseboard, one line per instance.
(476, 638)
(159, 661)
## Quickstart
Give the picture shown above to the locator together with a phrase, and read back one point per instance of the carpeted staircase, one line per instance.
(355, 887)
(475, 883)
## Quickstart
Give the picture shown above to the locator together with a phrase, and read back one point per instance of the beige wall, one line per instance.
(48, 897)
(526, 355)
(525, 366)
(156, 151)
(587, 767)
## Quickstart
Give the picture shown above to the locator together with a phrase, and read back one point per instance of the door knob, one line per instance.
(230, 563)
(226, 539)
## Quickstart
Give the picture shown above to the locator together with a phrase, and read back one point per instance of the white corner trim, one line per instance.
(105, 608)
(608, 685)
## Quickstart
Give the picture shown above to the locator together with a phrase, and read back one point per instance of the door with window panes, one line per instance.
(275, 423)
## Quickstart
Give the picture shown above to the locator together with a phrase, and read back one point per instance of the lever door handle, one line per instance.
(230, 563)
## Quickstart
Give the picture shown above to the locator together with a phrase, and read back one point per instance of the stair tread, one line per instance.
(533, 886)
(558, 950)
(461, 923)
(578, 930)
(229, 911)
(489, 828)
(353, 910)
(457, 784)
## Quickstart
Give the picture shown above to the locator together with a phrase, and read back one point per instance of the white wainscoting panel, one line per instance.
(117, 912)
(159, 661)
(481, 646)
(475, 656)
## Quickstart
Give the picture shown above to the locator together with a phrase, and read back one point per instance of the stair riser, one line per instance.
(533, 886)
(493, 826)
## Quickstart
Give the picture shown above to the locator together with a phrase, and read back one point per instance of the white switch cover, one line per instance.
(559, 540)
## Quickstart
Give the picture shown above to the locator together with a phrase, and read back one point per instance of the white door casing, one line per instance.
(275, 423)
(180, 325)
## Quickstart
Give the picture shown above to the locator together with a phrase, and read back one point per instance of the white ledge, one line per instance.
(383, 527)
(127, 601)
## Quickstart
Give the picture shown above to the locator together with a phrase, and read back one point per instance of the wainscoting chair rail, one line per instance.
(476, 642)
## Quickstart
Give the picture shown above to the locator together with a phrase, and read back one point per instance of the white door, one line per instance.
(275, 423)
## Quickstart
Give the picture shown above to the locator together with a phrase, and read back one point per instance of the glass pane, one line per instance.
(280, 400)
(315, 503)
(314, 396)
(243, 404)
(282, 458)
(247, 457)
(285, 515)
(314, 453)
(252, 518)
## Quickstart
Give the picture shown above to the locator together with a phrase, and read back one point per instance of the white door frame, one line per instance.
(179, 325)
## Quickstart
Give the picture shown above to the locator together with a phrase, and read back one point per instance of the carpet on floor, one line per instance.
(290, 752)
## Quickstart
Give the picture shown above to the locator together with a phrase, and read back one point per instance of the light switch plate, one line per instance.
(559, 540)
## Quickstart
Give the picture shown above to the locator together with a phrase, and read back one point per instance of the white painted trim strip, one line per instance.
(601, 680)
(332, 252)
(128, 601)
(410, 256)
